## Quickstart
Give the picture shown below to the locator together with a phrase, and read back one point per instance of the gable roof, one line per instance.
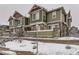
(14, 15)
(35, 7)
(16, 12)
(58, 9)
(10, 18)
(69, 13)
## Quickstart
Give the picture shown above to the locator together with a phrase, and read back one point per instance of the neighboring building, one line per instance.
(43, 23)
(74, 32)
(4, 30)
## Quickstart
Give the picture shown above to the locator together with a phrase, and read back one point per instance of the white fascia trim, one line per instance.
(54, 21)
(35, 11)
(36, 23)
(13, 17)
(15, 27)
(12, 27)
(19, 26)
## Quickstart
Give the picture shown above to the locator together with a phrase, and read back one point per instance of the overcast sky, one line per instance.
(7, 10)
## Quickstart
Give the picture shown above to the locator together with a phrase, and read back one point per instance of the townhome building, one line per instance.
(17, 23)
(4, 31)
(42, 23)
(74, 31)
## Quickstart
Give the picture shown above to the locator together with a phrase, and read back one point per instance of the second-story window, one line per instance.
(18, 22)
(65, 17)
(54, 15)
(35, 16)
(10, 22)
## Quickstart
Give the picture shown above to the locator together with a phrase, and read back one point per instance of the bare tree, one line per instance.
(20, 34)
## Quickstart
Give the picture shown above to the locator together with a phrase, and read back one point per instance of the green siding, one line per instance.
(49, 16)
(44, 16)
(40, 17)
(58, 15)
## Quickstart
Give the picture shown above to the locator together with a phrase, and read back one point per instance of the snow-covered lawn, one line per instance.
(55, 38)
(8, 52)
(43, 48)
(68, 38)
(16, 45)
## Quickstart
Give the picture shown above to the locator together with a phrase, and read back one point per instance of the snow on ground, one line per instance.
(16, 45)
(43, 48)
(8, 52)
(68, 38)
(56, 49)
(56, 38)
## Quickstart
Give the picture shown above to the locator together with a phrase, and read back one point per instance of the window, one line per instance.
(49, 27)
(33, 28)
(55, 29)
(25, 29)
(56, 26)
(26, 21)
(10, 22)
(65, 17)
(11, 30)
(18, 22)
(41, 27)
(53, 14)
(35, 16)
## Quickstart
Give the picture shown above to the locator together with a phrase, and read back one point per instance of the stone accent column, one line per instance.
(37, 27)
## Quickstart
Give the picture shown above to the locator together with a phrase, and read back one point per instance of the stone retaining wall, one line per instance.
(40, 34)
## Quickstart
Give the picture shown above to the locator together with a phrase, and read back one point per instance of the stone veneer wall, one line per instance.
(40, 34)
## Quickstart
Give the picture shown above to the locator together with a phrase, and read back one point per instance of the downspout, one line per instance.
(60, 28)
